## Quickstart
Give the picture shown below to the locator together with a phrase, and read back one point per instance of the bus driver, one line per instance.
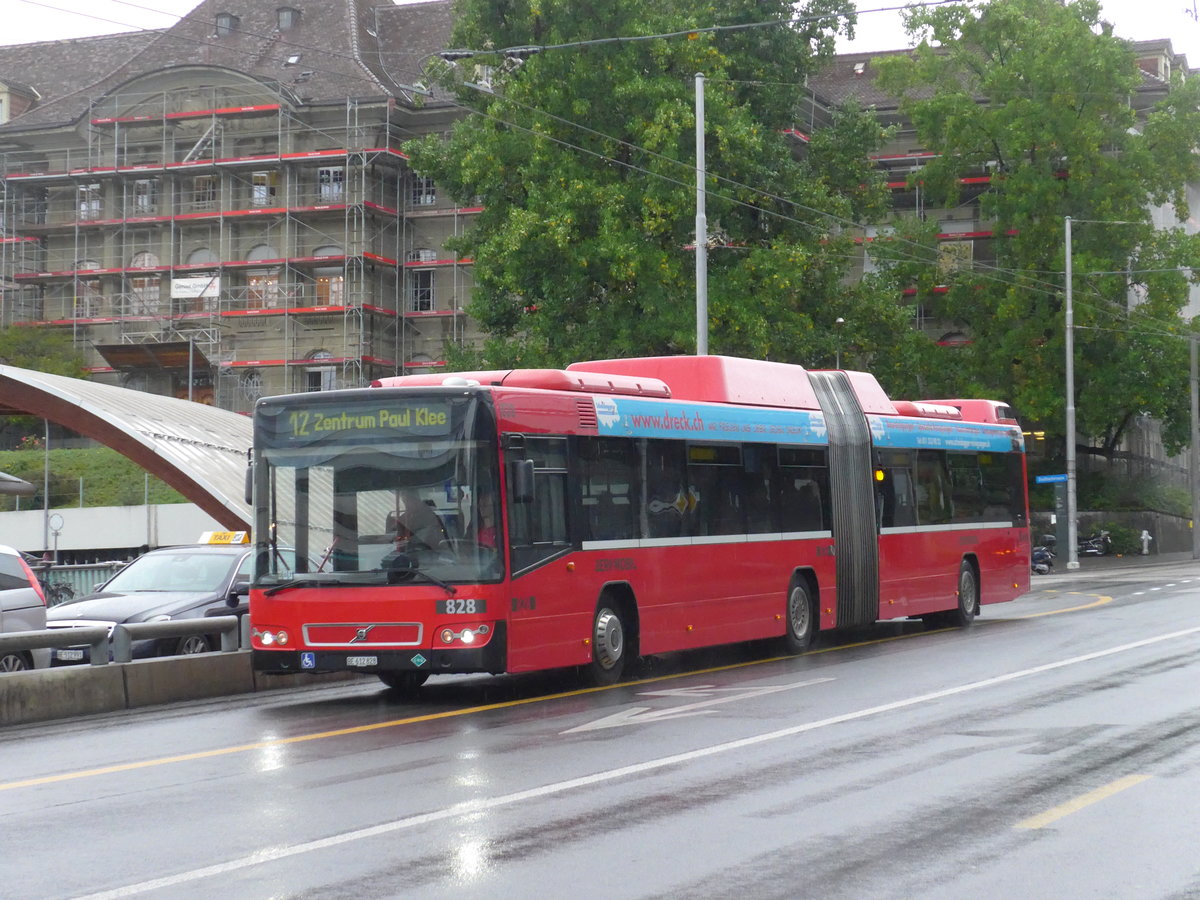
(418, 520)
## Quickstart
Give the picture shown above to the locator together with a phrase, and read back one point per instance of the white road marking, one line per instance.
(642, 715)
(473, 807)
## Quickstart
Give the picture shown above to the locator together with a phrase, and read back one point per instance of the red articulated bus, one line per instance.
(517, 520)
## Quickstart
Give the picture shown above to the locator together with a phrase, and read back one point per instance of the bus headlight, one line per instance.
(270, 638)
(464, 635)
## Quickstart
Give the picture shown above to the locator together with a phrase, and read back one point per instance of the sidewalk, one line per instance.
(1094, 566)
(1111, 560)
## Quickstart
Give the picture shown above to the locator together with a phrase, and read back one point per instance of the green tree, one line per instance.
(1040, 95)
(40, 349)
(583, 160)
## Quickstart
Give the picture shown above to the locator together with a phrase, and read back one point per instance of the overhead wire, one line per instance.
(926, 255)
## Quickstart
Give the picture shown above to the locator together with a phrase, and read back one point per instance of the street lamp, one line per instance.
(838, 324)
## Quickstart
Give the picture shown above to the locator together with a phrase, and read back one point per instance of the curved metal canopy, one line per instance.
(199, 450)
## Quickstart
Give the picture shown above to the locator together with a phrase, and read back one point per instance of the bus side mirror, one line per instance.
(249, 486)
(522, 478)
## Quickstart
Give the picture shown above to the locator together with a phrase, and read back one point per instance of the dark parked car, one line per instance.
(172, 583)
(22, 608)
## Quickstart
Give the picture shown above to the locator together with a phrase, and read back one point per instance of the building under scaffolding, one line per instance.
(227, 214)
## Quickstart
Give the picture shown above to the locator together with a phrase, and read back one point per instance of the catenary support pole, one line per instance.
(1072, 525)
(701, 228)
(1194, 456)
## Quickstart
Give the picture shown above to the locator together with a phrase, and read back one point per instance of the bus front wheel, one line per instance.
(608, 644)
(404, 683)
(801, 616)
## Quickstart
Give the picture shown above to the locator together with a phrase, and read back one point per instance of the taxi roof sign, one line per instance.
(225, 537)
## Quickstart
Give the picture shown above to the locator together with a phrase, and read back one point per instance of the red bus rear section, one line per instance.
(518, 520)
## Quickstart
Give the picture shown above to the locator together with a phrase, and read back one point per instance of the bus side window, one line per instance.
(757, 479)
(608, 497)
(934, 504)
(895, 495)
(715, 483)
(969, 496)
(803, 499)
(664, 503)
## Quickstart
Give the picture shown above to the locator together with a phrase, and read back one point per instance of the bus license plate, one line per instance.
(69, 655)
(362, 660)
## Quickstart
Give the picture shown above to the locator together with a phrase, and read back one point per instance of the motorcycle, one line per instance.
(1041, 561)
(1097, 544)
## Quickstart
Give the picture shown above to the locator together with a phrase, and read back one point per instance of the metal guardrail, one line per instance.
(95, 636)
(123, 636)
(121, 641)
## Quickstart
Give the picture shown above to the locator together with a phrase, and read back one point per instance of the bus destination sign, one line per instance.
(426, 418)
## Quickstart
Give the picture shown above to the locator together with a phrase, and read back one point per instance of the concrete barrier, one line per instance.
(195, 677)
(69, 691)
(63, 693)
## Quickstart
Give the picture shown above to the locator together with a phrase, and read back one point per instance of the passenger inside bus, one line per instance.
(417, 520)
(485, 519)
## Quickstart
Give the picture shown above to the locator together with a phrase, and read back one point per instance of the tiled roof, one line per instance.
(851, 76)
(57, 69)
(346, 48)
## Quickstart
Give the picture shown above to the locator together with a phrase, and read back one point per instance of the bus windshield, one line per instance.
(388, 484)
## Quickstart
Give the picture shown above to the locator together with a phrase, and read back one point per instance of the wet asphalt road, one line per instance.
(1049, 751)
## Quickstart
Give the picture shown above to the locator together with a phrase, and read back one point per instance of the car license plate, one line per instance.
(362, 660)
(69, 655)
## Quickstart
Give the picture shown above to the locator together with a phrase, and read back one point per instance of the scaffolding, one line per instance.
(294, 251)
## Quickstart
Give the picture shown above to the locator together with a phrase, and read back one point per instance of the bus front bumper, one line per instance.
(490, 658)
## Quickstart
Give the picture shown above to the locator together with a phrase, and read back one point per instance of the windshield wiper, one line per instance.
(371, 580)
(413, 572)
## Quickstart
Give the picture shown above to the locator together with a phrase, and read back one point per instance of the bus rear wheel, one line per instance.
(968, 597)
(608, 644)
(801, 619)
(405, 683)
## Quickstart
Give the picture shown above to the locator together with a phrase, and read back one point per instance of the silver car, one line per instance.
(22, 608)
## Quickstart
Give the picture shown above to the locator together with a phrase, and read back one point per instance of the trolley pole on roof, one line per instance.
(701, 228)
(1072, 527)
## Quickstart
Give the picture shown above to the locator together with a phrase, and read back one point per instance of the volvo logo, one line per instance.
(361, 635)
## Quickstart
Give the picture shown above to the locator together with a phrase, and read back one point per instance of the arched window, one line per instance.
(262, 251)
(250, 385)
(954, 339)
(136, 381)
(320, 378)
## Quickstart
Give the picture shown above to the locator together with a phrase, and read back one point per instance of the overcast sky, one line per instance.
(45, 20)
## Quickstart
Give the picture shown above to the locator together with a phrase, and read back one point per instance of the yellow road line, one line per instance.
(1081, 802)
(449, 714)
(1102, 599)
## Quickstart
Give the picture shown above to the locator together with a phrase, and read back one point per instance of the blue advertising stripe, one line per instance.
(691, 421)
(905, 433)
(630, 417)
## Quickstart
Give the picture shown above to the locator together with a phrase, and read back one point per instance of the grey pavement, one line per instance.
(1091, 567)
